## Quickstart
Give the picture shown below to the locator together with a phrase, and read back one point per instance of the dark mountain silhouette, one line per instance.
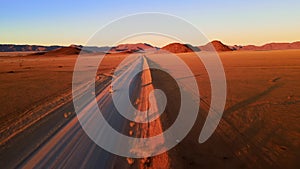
(17, 48)
(96, 49)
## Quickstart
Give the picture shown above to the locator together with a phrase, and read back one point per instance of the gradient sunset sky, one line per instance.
(58, 22)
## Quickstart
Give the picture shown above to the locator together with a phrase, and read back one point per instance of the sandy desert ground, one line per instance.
(260, 127)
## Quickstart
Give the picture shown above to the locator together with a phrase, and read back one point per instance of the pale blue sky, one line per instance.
(73, 22)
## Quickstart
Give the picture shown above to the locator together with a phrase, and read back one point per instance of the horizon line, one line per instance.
(30, 44)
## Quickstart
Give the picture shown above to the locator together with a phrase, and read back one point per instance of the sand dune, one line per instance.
(139, 47)
(71, 50)
(177, 48)
(215, 45)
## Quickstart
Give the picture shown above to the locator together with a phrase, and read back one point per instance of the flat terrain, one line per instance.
(260, 127)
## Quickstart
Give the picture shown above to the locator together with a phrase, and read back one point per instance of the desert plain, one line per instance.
(260, 127)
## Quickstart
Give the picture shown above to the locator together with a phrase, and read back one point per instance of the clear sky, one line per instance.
(68, 22)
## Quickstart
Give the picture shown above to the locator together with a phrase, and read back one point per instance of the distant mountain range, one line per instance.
(17, 48)
(73, 50)
(269, 46)
(219, 46)
(142, 47)
(53, 49)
